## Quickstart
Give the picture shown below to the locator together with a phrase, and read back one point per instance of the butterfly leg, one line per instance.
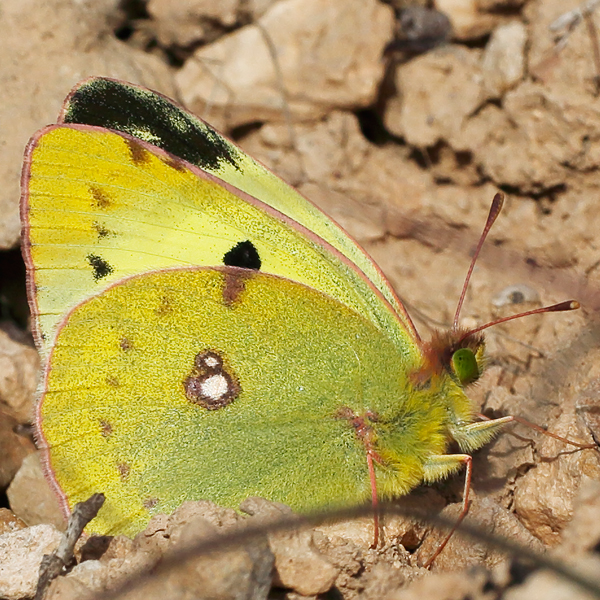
(469, 437)
(475, 435)
(512, 418)
(364, 432)
(438, 467)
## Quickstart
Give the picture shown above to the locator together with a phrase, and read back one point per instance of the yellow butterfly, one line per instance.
(209, 333)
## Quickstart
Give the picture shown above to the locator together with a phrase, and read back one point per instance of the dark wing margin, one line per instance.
(150, 117)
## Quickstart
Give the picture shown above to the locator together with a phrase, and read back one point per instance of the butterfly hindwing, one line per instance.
(189, 396)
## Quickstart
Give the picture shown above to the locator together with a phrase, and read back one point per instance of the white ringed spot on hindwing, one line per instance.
(211, 384)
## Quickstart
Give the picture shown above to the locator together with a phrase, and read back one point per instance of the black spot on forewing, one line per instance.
(100, 267)
(148, 116)
(243, 255)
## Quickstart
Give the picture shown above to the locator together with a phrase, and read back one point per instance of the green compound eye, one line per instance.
(465, 367)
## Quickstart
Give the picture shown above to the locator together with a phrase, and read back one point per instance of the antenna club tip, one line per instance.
(567, 305)
(498, 200)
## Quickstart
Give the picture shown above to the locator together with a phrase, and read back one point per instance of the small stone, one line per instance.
(21, 553)
(328, 53)
(467, 21)
(503, 61)
(19, 366)
(9, 521)
(299, 565)
(462, 552)
(14, 447)
(31, 497)
(188, 22)
(438, 92)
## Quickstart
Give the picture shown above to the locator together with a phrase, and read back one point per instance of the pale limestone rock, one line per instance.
(498, 5)
(14, 447)
(9, 521)
(299, 565)
(503, 61)
(438, 92)
(21, 553)
(52, 46)
(241, 573)
(184, 22)
(329, 152)
(462, 552)
(545, 496)
(329, 53)
(536, 137)
(19, 366)
(31, 497)
(467, 22)
(443, 586)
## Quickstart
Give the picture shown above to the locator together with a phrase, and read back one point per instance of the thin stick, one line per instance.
(54, 564)
(593, 33)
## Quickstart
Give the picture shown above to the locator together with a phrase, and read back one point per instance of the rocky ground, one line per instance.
(402, 124)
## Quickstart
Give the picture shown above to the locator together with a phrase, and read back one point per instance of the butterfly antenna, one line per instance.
(560, 307)
(495, 209)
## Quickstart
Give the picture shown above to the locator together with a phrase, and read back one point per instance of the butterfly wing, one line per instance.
(155, 395)
(153, 118)
(207, 332)
(100, 206)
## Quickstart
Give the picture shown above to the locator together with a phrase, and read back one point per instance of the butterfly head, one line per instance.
(458, 353)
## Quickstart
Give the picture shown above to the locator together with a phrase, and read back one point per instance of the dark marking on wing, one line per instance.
(101, 198)
(211, 384)
(124, 470)
(139, 155)
(101, 230)
(106, 427)
(112, 381)
(234, 284)
(165, 307)
(243, 255)
(100, 267)
(175, 163)
(150, 503)
(152, 118)
(125, 344)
